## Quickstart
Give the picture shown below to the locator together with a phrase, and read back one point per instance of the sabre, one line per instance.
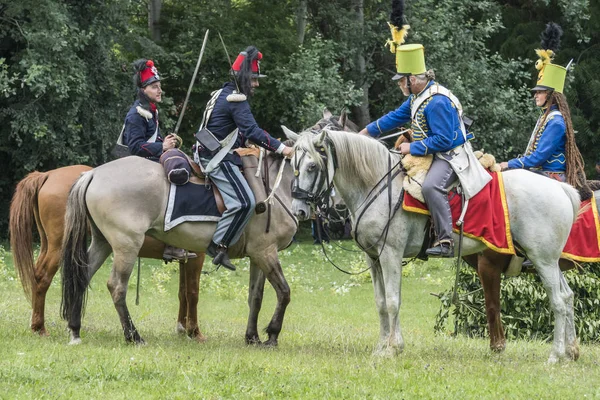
(403, 131)
(187, 96)
(230, 64)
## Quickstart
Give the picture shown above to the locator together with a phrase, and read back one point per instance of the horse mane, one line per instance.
(359, 156)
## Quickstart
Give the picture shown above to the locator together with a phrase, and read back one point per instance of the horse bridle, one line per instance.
(315, 195)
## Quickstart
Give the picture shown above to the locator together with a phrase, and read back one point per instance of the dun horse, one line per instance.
(541, 210)
(41, 199)
(124, 203)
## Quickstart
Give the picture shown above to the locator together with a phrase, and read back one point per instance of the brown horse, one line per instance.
(41, 198)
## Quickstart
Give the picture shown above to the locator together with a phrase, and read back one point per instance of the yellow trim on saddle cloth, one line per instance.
(597, 223)
(415, 209)
(509, 239)
(508, 250)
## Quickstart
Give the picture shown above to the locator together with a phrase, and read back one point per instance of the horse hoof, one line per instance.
(553, 359)
(253, 340)
(199, 338)
(75, 342)
(180, 329)
(573, 351)
(41, 332)
(498, 348)
(271, 343)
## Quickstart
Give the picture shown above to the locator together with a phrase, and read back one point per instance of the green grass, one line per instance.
(324, 349)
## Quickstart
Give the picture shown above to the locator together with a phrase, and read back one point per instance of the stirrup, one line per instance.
(443, 250)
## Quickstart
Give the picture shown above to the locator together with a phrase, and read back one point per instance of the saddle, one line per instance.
(416, 168)
(175, 159)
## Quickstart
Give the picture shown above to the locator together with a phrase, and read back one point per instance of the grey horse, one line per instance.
(541, 213)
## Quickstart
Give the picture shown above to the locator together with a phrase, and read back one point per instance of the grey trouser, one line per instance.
(239, 202)
(435, 192)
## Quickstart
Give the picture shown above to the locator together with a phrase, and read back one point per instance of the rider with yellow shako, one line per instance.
(227, 124)
(552, 150)
(435, 117)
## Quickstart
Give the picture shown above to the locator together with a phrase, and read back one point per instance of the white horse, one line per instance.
(541, 210)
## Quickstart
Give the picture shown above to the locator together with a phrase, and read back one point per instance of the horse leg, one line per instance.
(379, 289)
(45, 269)
(256, 289)
(183, 305)
(269, 263)
(550, 275)
(489, 268)
(98, 252)
(572, 346)
(193, 269)
(117, 286)
(392, 279)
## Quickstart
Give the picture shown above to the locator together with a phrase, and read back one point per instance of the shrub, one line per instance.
(524, 304)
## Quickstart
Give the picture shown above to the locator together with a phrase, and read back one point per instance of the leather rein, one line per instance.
(320, 193)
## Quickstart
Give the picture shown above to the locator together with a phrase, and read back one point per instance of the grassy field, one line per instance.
(324, 350)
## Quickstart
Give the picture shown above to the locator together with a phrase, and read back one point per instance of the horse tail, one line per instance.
(575, 199)
(23, 212)
(74, 259)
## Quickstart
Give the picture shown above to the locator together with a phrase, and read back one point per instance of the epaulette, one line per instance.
(236, 97)
(144, 113)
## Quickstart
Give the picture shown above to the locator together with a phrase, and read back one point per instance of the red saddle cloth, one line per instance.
(584, 243)
(487, 215)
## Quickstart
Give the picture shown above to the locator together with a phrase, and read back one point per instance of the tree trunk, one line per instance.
(301, 21)
(361, 112)
(154, 19)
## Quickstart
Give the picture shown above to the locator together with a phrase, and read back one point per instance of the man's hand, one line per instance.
(288, 152)
(364, 132)
(504, 166)
(170, 142)
(405, 148)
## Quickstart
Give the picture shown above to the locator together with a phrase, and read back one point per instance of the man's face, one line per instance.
(153, 92)
(253, 85)
(403, 84)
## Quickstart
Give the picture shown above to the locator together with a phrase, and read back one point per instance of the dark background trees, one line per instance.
(65, 67)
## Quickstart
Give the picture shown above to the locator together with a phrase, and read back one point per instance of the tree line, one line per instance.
(65, 68)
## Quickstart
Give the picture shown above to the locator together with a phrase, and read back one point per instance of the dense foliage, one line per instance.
(65, 75)
(525, 306)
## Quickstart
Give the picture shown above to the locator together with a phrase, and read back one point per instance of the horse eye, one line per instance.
(312, 166)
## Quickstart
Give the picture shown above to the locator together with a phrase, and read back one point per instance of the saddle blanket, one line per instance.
(584, 241)
(486, 219)
(190, 202)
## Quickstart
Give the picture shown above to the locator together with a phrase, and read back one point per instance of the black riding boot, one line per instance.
(444, 249)
(220, 256)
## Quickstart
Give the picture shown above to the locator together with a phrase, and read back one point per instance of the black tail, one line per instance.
(75, 274)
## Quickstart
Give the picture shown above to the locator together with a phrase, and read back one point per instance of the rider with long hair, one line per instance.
(227, 124)
(552, 150)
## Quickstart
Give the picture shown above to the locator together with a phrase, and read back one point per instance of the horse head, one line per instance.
(314, 168)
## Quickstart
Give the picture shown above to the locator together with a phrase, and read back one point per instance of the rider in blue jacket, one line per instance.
(141, 132)
(436, 129)
(229, 120)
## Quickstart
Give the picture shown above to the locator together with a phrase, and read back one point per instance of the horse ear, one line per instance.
(326, 113)
(321, 138)
(290, 133)
(343, 118)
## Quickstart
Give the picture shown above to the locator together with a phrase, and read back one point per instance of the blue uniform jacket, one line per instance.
(547, 152)
(137, 132)
(226, 116)
(438, 118)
